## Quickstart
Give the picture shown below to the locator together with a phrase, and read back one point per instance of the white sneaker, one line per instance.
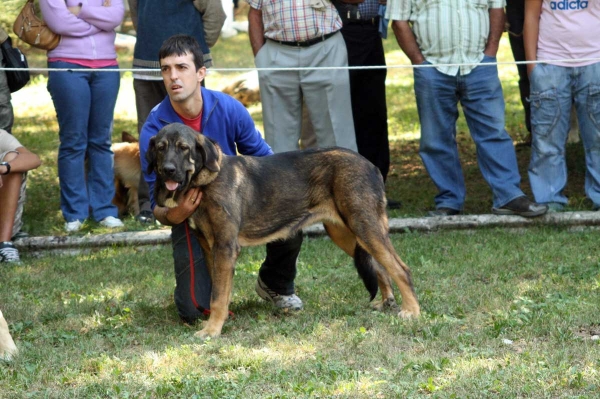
(291, 302)
(111, 222)
(73, 226)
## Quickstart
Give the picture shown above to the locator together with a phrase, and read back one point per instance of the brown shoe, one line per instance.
(444, 212)
(521, 206)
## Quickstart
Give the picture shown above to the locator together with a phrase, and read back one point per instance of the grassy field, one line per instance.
(506, 313)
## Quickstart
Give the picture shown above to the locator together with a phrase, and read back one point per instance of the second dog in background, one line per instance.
(127, 174)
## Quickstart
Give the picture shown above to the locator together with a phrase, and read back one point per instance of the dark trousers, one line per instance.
(515, 16)
(192, 280)
(367, 91)
(148, 93)
(6, 109)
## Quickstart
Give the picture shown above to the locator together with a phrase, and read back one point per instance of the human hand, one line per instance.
(186, 206)
(106, 3)
(190, 201)
(530, 68)
(75, 10)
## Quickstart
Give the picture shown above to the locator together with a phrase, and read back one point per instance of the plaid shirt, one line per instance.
(296, 20)
(447, 31)
(368, 9)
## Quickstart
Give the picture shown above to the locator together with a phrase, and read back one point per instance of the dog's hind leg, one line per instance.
(365, 265)
(383, 251)
(342, 237)
(224, 254)
(372, 235)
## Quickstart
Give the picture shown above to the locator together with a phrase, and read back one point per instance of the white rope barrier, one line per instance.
(134, 70)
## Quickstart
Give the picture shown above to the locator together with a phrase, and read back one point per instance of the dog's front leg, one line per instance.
(224, 257)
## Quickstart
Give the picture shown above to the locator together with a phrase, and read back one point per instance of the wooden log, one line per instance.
(400, 225)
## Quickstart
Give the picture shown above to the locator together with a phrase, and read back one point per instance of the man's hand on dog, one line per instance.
(184, 209)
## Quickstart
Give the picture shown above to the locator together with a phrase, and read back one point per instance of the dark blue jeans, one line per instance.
(84, 102)
(192, 283)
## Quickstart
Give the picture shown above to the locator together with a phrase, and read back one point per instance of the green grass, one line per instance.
(104, 325)
(506, 313)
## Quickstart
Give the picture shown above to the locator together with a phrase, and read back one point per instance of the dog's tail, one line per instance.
(366, 268)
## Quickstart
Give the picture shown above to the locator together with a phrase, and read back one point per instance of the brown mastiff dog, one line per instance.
(255, 200)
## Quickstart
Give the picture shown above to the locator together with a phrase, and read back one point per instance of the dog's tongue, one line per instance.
(171, 185)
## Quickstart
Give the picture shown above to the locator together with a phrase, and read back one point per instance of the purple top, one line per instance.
(90, 35)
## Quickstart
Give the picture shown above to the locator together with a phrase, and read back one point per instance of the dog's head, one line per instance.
(181, 158)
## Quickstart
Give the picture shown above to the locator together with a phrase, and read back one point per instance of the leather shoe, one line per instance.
(393, 204)
(521, 206)
(146, 217)
(444, 212)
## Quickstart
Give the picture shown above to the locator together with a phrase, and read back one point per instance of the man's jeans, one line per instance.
(480, 95)
(553, 91)
(84, 102)
(193, 285)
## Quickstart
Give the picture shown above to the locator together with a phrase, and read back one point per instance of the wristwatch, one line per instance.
(7, 165)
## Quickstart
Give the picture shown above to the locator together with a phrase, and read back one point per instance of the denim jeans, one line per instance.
(193, 285)
(553, 91)
(482, 101)
(84, 102)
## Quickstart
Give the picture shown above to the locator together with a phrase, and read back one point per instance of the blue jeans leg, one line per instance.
(482, 101)
(587, 103)
(84, 102)
(437, 104)
(551, 101)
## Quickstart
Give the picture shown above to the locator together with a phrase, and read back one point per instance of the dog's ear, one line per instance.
(209, 152)
(151, 155)
(127, 137)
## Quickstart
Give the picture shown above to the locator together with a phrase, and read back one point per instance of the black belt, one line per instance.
(370, 21)
(308, 42)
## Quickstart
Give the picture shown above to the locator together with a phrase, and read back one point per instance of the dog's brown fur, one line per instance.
(7, 346)
(255, 200)
(245, 89)
(127, 174)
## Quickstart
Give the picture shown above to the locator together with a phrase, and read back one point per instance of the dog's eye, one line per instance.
(184, 147)
(160, 146)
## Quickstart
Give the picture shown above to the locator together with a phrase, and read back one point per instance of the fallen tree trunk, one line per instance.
(459, 222)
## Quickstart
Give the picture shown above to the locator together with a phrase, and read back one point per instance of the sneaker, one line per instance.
(20, 235)
(290, 302)
(146, 217)
(73, 226)
(111, 222)
(8, 252)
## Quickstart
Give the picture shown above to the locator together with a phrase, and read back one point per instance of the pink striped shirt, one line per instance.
(296, 20)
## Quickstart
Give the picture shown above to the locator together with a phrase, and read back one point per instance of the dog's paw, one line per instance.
(207, 332)
(384, 305)
(408, 314)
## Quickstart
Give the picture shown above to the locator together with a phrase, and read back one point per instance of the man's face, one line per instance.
(180, 76)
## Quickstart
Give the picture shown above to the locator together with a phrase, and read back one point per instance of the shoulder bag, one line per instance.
(33, 30)
(12, 57)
